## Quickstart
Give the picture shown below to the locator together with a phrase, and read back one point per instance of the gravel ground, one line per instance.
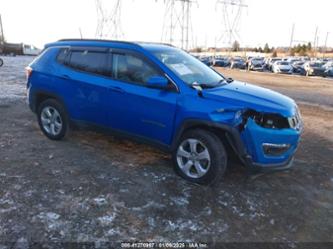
(96, 188)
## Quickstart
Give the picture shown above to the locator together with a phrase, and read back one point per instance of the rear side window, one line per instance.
(131, 68)
(89, 61)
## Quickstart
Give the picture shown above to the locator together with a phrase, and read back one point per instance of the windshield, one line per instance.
(257, 60)
(283, 63)
(188, 68)
(316, 64)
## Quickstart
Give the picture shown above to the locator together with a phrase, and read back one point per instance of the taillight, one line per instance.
(28, 72)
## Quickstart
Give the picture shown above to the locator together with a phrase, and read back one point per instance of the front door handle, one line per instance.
(116, 89)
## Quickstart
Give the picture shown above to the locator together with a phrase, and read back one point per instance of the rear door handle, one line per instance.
(116, 89)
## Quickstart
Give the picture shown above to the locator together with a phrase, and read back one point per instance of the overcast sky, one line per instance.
(41, 21)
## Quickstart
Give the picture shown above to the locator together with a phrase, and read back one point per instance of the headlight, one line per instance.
(296, 121)
(238, 115)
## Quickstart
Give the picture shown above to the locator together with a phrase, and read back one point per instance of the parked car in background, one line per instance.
(315, 68)
(298, 67)
(257, 64)
(221, 62)
(238, 63)
(161, 95)
(283, 67)
(270, 62)
(292, 60)
(328, 64)
(329, 72)
(329, 68)
(207, 60)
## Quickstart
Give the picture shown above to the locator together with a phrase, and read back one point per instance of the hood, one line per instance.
(247, 96)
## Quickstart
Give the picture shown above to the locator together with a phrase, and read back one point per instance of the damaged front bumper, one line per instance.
(264, 149)
(270, 149)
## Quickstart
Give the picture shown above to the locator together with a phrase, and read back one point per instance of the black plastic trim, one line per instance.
(119, 133)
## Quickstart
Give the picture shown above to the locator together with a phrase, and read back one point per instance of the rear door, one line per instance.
(83, 79)
(135, 108)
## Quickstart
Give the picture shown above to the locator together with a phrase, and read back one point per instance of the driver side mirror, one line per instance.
(157, 82)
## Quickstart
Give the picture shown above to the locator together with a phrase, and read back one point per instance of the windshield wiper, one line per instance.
(200, 86)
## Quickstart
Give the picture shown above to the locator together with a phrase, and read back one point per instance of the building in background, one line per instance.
(15, 48)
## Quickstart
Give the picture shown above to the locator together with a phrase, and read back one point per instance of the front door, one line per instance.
(134, 108)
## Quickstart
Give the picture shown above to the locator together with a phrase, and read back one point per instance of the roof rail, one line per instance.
(95, 40)
(157, 43)
(105, 40)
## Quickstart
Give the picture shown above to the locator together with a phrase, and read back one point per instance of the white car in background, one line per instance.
(282, 67)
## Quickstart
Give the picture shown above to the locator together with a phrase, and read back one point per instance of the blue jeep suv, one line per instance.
(159, 94)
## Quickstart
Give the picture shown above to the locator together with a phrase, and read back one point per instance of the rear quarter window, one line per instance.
(62, 55)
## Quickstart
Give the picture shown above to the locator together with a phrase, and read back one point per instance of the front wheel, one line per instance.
(200, 157)
(52, 119)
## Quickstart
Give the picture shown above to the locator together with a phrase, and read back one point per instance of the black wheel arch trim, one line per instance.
(34, 97)
(232, 134)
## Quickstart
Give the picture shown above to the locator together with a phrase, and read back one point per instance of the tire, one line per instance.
(186, 160)
(53, 119)
(1, 62)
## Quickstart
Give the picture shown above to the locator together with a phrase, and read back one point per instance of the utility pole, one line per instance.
(2, 36)
(326, 43)
(80, 32)
(292, 37)
(315, 42)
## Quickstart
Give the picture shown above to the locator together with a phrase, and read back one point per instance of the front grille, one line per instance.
(284, 70)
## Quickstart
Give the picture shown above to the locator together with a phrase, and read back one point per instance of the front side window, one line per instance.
(130, 68)
(89, 61)
(188, 68)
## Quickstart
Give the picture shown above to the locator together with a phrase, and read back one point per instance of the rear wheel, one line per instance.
(200, 157)
(52, 119)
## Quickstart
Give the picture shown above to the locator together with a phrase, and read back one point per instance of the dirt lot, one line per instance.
(96, 188)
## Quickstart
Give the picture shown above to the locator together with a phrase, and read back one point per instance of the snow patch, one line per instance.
(107, 219)
(180, 201)
(100, 201)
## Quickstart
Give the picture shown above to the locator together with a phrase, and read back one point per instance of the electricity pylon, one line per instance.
(108, 19)
(177, 26)
(231, 11)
